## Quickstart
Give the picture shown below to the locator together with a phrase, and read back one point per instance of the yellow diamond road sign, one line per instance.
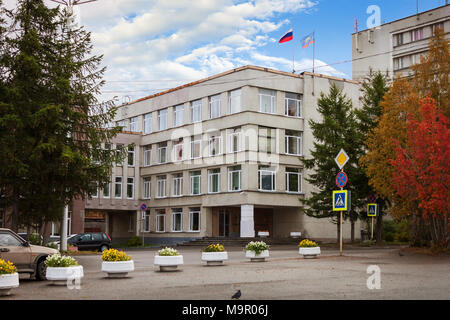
(341, 159)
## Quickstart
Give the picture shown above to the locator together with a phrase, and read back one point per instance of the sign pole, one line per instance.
(371, 237)
(340, 227)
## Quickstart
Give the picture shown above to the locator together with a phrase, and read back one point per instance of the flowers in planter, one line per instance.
(115, 255)
(58, 261)
(257, 246)
(7, 267)
(214, 248)
(307, 244)
(168, 252)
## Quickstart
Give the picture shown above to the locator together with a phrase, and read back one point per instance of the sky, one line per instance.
(153, 45)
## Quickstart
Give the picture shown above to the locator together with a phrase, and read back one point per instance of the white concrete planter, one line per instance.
(257, 257)
(61, 275)
(117, 269)
(296, 234)
(263, 234)
(8, 282)
(168, 263)
(310, 252)
(214, 258)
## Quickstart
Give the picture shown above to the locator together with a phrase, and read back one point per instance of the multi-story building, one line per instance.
(395, 46)
(216, 157)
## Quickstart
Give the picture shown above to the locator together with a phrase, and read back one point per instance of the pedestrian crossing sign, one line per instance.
(372, 209)
(340, 200)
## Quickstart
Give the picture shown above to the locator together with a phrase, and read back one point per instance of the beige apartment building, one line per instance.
(395, 46)
(216, 157)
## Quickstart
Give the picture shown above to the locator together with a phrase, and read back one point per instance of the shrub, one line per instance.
(305, 243)
(214, 248)
(7, 267)
(135, 242)
(396, 231)
(58, 261)
(168, 252)
(115, 255)
(35, 238)
(52, 245)
(257, 246)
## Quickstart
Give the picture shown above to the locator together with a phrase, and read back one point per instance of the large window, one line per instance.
(194, 219)
(417, 34)
(266, 178)
(161, 187)
(162, 119)
(293, 180)
(234, 178)
(398, 39)
(130, 188)
(266, 101)
(178, 118)
(293, 105)
(147, 123)
(234, 140)
(95, 193)
(195, 177)
(196, 147)
(293, 142)
(119, 148)
(160, 221)
(399, 63)
(235, 101)
(178, 150)
(131, 156)
(266, 139)
(196, 111)
(147, 188)
(177, 185)
(106, 190)
(162, 152)
(118, 187)
(214, 106)
(214, 180)
(146, 222)
(134, 124)
(177, 220)
(215, 142)
(147, 155)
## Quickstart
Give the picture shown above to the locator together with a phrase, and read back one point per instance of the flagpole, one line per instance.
(293, 69)
(314, 47)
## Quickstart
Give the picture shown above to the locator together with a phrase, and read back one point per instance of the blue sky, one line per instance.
(153, 45)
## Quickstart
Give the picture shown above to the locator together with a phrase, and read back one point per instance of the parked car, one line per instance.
(56, 241)
(27, 258)
(91, 241)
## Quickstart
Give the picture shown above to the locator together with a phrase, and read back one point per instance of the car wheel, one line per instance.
(41, 270)
(103, 248)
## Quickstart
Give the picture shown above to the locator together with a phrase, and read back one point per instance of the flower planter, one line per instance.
(309, 252)
(61, 275)
(296, 234)
(214, 258)
(117, 269)
(7, 282)
(257, 257)
(168, 263)
(263, 234)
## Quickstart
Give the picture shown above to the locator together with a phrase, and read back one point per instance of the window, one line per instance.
(177, 220)
(398, 39)
(160, 221)
(131, 156)
(293, 142)
(177, 185)
(162, 119)
(293, 180)
(133, 124)
(234, 178)
(437, 25)
(266, 101)
(214, 106)
(293, 105)
(147, 188)
(196, 143)
(118, 187)
(130, 188)
(266, 140)
(214, 180)
(147, 155)
(399, 63)
(194, 219)
(131, 223)
(196, 111)
(234, 144)
(178, 118)
(195, 182)
(162, 152)
(147, 123)
(146, 222)
(106, 190)
(178, 150)
(161, 187)
(415, 58)
(121, 123)
(215, 144)
(417, 34)
(266, 177)
(119, 148)
(95, 194)
(7, 239)
(235, 101)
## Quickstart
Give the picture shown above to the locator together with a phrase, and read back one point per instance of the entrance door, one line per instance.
(224, 223)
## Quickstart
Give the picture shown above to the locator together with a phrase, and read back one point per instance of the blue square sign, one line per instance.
(340, 200)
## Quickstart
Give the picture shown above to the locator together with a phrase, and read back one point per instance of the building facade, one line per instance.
(395, 46)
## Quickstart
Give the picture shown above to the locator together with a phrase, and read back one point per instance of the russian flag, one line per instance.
(306, 41)
(287, 37)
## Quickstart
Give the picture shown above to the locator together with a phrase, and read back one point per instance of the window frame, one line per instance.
(192, 177)
(230, 99)
(160, 152)
(299, 104)
(299, 144)
(132, 187)
(148, 117)
(177, 110)
(146, 187)
(214, 99)
(272, 100)
(132, 153)
(199, 142)
(147, 151)
(210, 175)
(211, 145)
(177, 183)
(194, 105)
(260, 176)
(300, 181)
(161, 181)
(163, 114)
(191, 212)
(177, 212)
(134, 124)
(159, 214)
(120, 186)
(231, 170)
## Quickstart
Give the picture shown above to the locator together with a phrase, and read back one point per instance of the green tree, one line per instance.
(336, 130)
(51, 121)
